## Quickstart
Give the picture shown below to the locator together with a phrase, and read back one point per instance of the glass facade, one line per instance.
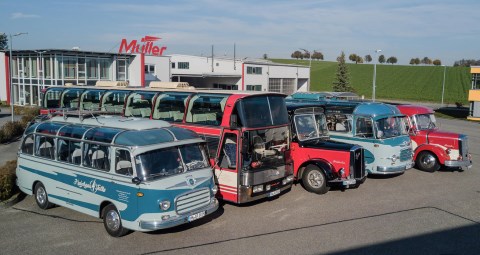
(33, 71)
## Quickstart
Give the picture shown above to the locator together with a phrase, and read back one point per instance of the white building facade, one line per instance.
(33, 70)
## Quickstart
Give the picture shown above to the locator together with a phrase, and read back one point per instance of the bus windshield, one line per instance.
(265, 148)
(263, 111)
(310, 126)
(161, 163)
(425, 121)
(390, 127)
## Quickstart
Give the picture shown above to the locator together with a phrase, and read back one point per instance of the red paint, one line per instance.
(146, 48)
(432, 140)
(142, 70)
(7, 75)
(243, 76)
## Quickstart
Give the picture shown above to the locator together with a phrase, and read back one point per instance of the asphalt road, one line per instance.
(414, 213)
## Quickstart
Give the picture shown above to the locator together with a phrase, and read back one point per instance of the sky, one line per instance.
(448, 30)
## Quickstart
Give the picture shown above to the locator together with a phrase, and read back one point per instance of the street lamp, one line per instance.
(375, 74)
(443, 83)
(11, 73)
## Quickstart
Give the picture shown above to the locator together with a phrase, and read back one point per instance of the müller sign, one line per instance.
(146, 47)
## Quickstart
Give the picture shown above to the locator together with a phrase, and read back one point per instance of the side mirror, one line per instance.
(136, 180)
(233, 121)
(379, 134)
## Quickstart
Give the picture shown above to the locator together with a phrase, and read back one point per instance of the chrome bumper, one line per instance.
(458, 163)
(177, 220)
(246, 194)
(385, 170)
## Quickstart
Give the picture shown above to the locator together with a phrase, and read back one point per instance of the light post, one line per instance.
(11, 72)
(443, 83)
(375, 74)
(42, 69)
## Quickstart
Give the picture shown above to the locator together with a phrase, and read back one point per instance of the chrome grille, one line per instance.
(406, 154)
(463, 146)
(357, 166)
(192, 201)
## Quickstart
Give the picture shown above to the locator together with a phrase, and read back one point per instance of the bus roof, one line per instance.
(113, 122)
(376, 110)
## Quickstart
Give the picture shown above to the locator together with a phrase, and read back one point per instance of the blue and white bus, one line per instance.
(135, 174)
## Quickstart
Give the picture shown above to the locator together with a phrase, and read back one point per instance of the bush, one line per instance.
(29, 113)
(7, 180)
(11, 130)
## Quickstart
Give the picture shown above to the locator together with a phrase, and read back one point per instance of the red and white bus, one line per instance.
(247, 134)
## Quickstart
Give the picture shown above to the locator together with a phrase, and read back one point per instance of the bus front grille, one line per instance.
(192, 201)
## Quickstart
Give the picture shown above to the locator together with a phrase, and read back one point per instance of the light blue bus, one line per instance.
(379, 128)
(135, 174)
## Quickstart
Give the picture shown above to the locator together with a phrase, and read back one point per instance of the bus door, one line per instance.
(126, 192)
(227, 165)
(364, 134)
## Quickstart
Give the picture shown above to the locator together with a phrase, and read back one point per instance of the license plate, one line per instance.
(196, 216)
(274, 193)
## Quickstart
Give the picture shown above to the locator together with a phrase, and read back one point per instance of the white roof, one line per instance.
(114, 122)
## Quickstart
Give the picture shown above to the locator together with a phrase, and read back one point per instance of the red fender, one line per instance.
(439, 152)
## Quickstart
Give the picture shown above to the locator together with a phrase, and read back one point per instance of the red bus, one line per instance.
(247, 134)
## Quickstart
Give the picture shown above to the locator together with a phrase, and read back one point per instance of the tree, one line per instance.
(426, 61)
(265, 56)
(392, 60)
(297, 54)
(342, 80)
(306, 55)
(381, 59)
(353, 57)
(412, 61)
(359, 60)
(317, 55)
(437, 62)
(368, 58)
(3, 42)
(417, 61)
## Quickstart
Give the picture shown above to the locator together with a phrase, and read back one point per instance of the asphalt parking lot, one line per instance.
(414, 213)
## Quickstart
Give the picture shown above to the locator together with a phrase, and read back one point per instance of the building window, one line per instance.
(286, 86)
(34, 67)
(183, 65)
(104, 68)
(69, 68)
(254, 87)
(275, 85)
(173, 65)
(122, 69)
(92, 69)
(150, 69)
(15, 67)
(26, 67)
(217, 64)
(47, 68)
(225, 86)
(254, 70)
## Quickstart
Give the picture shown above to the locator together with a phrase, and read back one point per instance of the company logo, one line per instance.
(146, 46)
(339, 162)
(357, 156)
(191, 181)
(93, 186)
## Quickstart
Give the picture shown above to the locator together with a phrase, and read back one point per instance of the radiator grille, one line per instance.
(357, 161)
(192, 201)
(405, 154)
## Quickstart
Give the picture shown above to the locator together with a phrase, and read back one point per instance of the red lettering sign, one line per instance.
(146, 46)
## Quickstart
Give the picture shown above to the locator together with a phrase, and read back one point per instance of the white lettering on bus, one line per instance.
(92, 186)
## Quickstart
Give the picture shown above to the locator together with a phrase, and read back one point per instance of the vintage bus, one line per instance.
(379, 128)
(247, 133)
(134, 174)
(432, 147)
(319, 162)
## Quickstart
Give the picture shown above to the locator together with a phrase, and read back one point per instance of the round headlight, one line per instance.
(215, 189)
(164, 205)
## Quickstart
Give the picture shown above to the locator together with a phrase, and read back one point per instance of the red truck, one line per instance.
(434, 148)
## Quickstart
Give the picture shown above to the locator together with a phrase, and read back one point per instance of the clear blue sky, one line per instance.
(447, 30)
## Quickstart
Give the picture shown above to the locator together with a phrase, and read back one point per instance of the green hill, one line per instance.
(416, 83)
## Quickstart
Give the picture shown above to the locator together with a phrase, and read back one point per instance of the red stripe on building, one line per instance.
(7, 74)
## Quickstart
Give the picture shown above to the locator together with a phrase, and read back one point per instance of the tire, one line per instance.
(314, 180)
(112, 221)
(427, 161)
(41, 197)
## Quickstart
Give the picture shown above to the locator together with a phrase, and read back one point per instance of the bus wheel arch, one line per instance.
(427, 161)
(41, 196)
(112, 220)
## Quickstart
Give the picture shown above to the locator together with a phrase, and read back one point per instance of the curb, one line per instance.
(11, 201)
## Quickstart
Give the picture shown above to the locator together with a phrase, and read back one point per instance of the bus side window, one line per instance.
(123, 163)
(44, 147)
(27, 146)
(364, 127)
(96, 157)
(69, 151)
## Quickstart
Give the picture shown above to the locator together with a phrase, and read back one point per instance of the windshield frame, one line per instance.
(431, 117)
(317, 119)
(399, 128)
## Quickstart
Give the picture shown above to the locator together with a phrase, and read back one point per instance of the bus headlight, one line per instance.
(287, 179)
(393, 158)
(164, 205)
(214, 189)
(341, 172)
(258, 188)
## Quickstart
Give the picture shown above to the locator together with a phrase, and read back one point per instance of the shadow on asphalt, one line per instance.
(452, 241)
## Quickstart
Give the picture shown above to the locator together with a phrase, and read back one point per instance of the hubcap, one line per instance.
(113, 220)
(315, 179)
(41, 195)
(428, 161)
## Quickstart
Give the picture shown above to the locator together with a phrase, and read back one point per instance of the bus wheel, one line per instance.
(41, 197)
(112, 221)
(314, 180)
(427, 162)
